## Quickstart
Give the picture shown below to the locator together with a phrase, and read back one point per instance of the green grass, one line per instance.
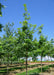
(15, 68)
(37, 70)
(31, 71)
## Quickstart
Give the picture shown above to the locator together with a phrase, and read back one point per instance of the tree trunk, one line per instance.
(0, 61)
(7, 70)
(26, 65)
(8, 59)
(48, 59)
(11, 59)
(51, 59)
(7, 63)
(41, 63)
(51, 63)
(18, 59)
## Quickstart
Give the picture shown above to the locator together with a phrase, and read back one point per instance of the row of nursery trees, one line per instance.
(20, 43)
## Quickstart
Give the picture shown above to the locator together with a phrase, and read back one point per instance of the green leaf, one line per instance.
(24, 5)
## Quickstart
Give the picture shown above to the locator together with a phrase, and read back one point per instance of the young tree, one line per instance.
(25, 36)
(8, 45)
(41, 48)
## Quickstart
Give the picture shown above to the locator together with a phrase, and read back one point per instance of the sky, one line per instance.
(46, 58)
(41, 12)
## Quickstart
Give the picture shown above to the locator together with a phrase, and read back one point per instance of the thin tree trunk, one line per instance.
(8, 63)
(18, 59)
(51, 60)
(26, 65)
(51, 63)
(7, 70)
(48, 59)
(0, 61)
(8, 59)
(41, 63)
(11, 59)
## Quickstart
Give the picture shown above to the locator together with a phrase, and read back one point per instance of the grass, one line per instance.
(15, 68)
(38, 70)
(29, 72)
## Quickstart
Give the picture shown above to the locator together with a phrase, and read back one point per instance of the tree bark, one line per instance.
(0, 61)
(8, 59)
(11, 59)
(7, 63)
(26, 65)
(41, 63)
(48, 59)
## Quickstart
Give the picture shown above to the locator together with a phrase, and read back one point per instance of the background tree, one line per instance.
(1, 51)
(25, 35)
(41, 48)
(8, 42)
(34, 52)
